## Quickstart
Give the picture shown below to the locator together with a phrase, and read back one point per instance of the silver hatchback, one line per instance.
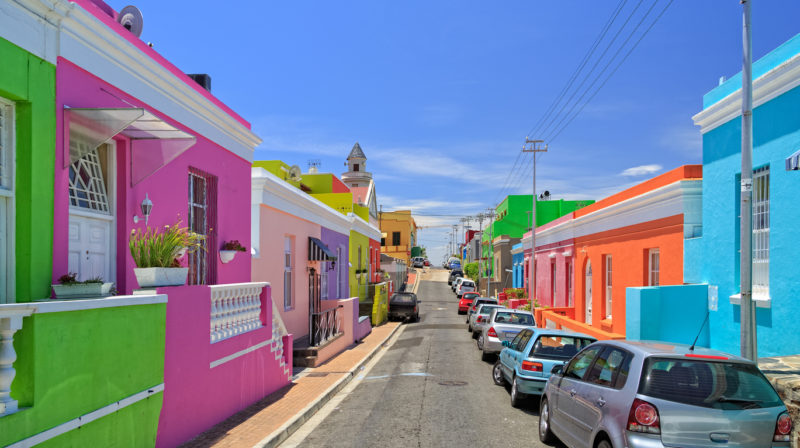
(658, 394)
(503, 324)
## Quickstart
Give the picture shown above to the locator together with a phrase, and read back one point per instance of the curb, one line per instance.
(288, 428)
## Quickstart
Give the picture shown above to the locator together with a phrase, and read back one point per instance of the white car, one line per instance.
(456, 282)
(464, 286)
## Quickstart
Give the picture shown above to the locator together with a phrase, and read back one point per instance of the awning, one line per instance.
(318, 251)
(793, 162)
(154, 142)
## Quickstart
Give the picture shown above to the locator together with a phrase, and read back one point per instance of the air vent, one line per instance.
(203, 79)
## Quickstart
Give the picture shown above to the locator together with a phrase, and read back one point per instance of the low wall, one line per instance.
(81, 356)
(349, 320)
(549, 318)
(667, 313)
(197, 395)
(380, 305)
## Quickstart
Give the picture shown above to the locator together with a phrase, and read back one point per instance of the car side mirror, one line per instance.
(558, 370)
(506, 343)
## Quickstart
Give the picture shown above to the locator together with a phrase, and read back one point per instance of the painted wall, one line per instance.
(668, 313)
(628, 248)
(358, 283)
(560, 256)
(517, 258)
(776, 135)
(72, 363)
(197, 396)
(375, 260)
(31, 83)
(349, 325)
(341, 202)
(276, 225)
(167, 188)
(335, 240)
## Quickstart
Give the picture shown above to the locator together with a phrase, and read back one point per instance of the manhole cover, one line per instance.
(452, 383)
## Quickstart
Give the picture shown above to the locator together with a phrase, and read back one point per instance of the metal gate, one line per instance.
(323, 325)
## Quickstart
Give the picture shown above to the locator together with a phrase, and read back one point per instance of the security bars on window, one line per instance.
(87, 188)
(761, 232)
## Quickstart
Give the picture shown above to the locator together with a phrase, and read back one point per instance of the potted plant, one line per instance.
(156, 254)
(229, 250)
(69, 287)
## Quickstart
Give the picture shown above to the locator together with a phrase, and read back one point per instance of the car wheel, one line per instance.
(516, 396)
(416, 318)
(469, 328)
(545, 435)
(480, 342)
(474, 335)
(604, 444)
(485, 356)
(497, 374)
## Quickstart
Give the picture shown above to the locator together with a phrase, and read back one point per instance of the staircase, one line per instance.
(278, 332)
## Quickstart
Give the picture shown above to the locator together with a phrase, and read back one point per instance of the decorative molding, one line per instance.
(363, 227)
(240, 353)
(87, 418)
(57, 306)
(766, 87)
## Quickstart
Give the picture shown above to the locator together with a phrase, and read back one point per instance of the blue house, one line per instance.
(517, 260)
(712, 260)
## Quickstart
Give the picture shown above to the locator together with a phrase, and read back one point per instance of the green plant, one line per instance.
(234, 245)
(471, 270)
(70, 278)
(161, 249)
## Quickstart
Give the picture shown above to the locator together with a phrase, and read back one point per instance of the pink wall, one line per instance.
(197, 396)
(275, 226)
(167, 188)
(349, 313)
(544, 281)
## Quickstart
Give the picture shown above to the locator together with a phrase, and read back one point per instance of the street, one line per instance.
(429, 389)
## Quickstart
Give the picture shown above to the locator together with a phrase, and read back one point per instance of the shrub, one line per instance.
(471, 270)
(154, 249)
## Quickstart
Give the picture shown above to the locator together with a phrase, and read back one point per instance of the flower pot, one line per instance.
(153, 277)
(227, 255)
(82, 290)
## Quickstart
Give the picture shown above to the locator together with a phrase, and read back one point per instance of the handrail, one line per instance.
(276, 319)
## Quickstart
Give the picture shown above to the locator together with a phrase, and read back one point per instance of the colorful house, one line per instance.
(518, 262)
(133, 142)
(398, 234)
(776, 139)
(631, 239)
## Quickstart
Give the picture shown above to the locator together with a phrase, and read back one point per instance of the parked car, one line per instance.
(404, 305)
(453, 275)
(427, 262)
(456, 282)
(418, 262)
(527, 361)
(478, 318)
(503, 325)
(656, 394)
(466, 285)
(478, 301)
(455, 265)
(466, 301)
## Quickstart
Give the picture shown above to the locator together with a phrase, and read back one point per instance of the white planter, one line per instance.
(152, 277)
(82, 290)
(227, 255)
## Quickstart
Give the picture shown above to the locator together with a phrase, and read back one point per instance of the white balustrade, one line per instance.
(235, 309)
(10, 321)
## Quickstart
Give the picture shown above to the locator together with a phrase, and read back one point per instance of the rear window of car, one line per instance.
(508, 317)
(468, 283)
(479, 301)
(709, 384)
(558, 347)
(486, 309)
(403, 298)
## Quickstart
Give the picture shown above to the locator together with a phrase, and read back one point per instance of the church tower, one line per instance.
(357, 175)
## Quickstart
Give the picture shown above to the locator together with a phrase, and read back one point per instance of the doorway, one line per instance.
(588, 296)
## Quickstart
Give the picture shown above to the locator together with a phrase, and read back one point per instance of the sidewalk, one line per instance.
(272, 419)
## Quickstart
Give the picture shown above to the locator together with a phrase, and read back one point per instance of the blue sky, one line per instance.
(441, 94)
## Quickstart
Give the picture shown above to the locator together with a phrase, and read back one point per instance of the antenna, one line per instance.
(701, 330)
(313, 166)
(295, 173)
(131, 19)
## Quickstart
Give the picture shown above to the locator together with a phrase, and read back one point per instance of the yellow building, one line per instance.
(398, 234)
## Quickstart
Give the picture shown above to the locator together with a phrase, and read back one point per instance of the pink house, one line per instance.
(132, 129)
(554, 262)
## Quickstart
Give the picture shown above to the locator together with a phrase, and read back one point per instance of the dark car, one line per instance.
(453, 275)
(404, 305)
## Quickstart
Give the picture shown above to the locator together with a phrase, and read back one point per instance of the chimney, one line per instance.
(203, 79)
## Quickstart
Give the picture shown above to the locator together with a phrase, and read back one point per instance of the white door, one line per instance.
(588, 298)
(91, 220)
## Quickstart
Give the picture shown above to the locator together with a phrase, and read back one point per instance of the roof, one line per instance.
(360, 194)
(356, 152)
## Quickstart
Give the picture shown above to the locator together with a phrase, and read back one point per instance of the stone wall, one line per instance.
(784, 374)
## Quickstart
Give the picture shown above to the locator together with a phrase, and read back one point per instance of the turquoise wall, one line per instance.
(776, 135)
(517, 267)
(667, 313)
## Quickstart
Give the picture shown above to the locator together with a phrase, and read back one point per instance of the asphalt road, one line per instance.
(429, 389)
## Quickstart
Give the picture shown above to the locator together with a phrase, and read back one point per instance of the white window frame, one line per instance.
(9, 162)
(653, 267)
(760, 245)
(553, 277)
(608, 283)
(323, 280)
(288, 276)
(570, 297)
(200, 259)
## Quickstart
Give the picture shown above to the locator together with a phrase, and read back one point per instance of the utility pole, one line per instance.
(490, 214)
(535, 147)
(480, 217)
(455, 232)
(748, 341)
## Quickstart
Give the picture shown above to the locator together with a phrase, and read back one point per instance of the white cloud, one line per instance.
(641, 170)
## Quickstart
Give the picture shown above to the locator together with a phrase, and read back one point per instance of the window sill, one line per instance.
(760, 300)
(606, 324)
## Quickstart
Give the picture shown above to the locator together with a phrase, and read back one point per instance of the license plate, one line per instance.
(511, 334)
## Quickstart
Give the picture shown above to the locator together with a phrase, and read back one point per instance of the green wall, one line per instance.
(30, 83)
(358, 240)
(341, 202)
(72, 363)
(319, 183)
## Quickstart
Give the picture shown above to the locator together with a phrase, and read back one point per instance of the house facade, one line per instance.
(398, 234)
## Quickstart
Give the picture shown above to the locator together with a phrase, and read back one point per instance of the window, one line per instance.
(580, 363)
(339, 263)
(653, 267)
(202, 214)
(383, 241)
(608, 367)
(323, 280)
(570, 300)
(761, 231)
(287, 272)
(609, 301)
(522, 341)
(558, 347)
(553, 282)
(355, 167)
(395, 238)
(6, 199)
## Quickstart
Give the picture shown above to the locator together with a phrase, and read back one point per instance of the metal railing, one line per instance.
(326, 325)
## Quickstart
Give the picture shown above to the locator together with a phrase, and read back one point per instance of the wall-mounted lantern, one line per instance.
(147, 206)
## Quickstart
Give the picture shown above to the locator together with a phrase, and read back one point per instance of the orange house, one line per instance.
(632, 238)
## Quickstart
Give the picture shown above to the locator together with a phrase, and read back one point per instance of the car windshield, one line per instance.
(709, 384)
(507, 317)
(558, 347)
